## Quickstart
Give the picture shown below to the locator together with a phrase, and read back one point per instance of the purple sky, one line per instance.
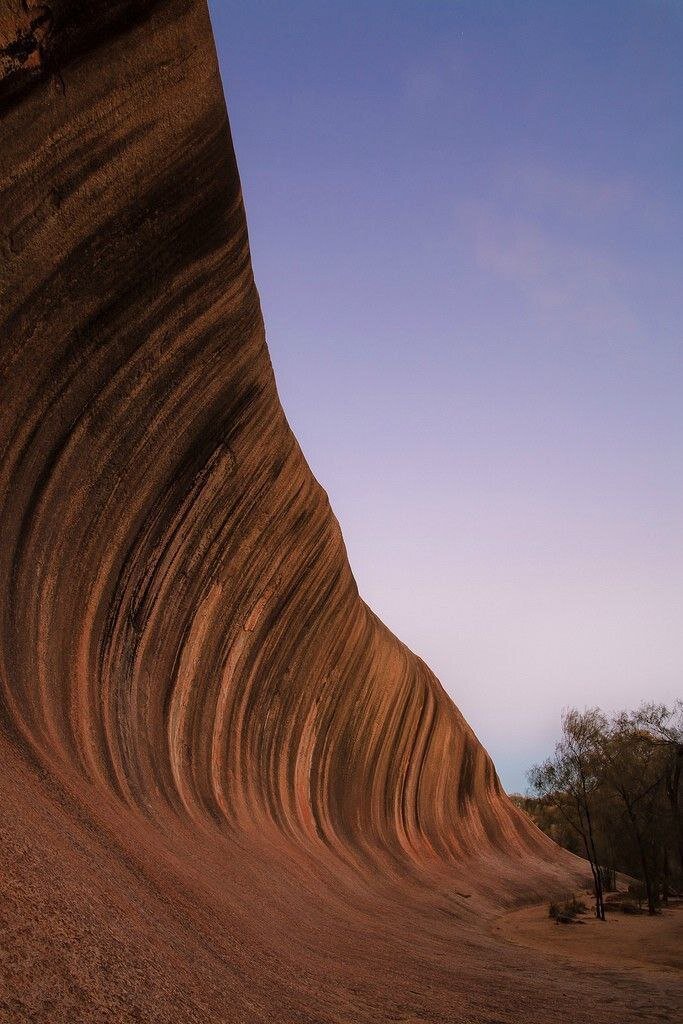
(467, 231)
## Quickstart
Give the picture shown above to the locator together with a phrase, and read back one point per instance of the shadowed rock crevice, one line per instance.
(38, 40)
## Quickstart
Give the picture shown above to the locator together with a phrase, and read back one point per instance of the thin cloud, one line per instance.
(579, 283)
(577, 192)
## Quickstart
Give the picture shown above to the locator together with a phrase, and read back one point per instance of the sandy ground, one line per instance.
(652, 944)
(108, 918)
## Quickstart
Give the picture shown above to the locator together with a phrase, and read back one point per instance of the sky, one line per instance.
(466, 223)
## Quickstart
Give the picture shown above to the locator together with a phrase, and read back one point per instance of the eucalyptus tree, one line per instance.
(570, 782)
(640, 755)
(664, 726)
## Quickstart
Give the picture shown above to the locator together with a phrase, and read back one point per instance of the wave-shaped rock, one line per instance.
(233, 794)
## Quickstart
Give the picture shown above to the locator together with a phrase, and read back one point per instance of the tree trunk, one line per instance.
(597, 882)
(647, 874)
(665, 877)
(673, 788)
(599, 893)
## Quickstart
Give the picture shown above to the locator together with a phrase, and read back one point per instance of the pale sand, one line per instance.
(654, 944)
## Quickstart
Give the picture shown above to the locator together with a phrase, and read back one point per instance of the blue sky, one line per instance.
(466, 223)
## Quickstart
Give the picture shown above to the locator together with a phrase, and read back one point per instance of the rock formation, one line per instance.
(229, 792)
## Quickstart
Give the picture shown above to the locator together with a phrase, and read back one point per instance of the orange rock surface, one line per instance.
(228, 792)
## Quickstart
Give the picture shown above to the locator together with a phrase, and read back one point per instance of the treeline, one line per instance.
(612, 793)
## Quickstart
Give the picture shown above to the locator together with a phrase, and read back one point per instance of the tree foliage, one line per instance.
(612, 791)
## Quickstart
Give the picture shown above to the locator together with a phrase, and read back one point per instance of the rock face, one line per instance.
(230, 793)
(181, 623)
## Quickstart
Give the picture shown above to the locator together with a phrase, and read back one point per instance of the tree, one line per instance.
(640, 763)
(569, 781)
(546, 815)
(664, 725)
(616, 785)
